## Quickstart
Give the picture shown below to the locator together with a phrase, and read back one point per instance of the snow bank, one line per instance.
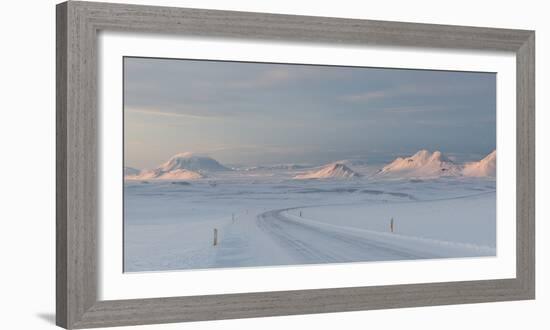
(467, 220)
(426, 247)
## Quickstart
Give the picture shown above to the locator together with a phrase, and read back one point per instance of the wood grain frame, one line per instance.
(78, 24)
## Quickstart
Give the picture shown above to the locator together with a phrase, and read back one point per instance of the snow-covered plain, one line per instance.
(265, 217)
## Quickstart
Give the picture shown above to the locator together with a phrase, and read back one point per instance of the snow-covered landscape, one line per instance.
(249, 164)
(415, 207)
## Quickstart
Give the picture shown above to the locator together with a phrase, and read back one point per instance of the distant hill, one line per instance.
(183, 166)
(334, 170)
(422, 164)
(130, 171)
(484, 167)
(192, 162)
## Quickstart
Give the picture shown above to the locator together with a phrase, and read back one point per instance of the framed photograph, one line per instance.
(217, 164)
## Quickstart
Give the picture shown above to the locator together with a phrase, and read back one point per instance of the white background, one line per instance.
(27, 141)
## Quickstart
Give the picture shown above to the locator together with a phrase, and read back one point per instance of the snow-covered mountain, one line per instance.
(184, 166)
(422, 164)
(334, 170)
(130, 171)
(192, 162)
(485, 167)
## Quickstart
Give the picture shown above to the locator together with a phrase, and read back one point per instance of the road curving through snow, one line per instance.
(310, 241)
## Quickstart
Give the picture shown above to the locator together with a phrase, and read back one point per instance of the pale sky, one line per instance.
(257, 114)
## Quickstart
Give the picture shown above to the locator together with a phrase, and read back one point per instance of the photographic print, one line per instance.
(239, 164)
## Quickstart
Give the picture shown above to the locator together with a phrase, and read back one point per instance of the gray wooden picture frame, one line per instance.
(78, 24)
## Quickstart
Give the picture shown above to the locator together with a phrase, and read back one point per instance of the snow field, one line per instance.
(169, 225)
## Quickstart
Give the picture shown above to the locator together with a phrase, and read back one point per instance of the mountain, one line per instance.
(422, 164)
(485, 167)
(192, 162)
(184, 166)
(130, 171)
(334, 170)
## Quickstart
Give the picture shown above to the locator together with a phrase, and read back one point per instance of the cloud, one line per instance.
(267, 78)
(394, 92)
(282, 75)
(414, 109)
(411, 90)
(160, 113)
(366, 97)
(262, 148)
(256, 113)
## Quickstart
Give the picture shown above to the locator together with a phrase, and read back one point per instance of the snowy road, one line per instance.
(311, 242)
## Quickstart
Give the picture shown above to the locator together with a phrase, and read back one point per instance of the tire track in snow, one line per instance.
(279, 231)
(317, 244)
